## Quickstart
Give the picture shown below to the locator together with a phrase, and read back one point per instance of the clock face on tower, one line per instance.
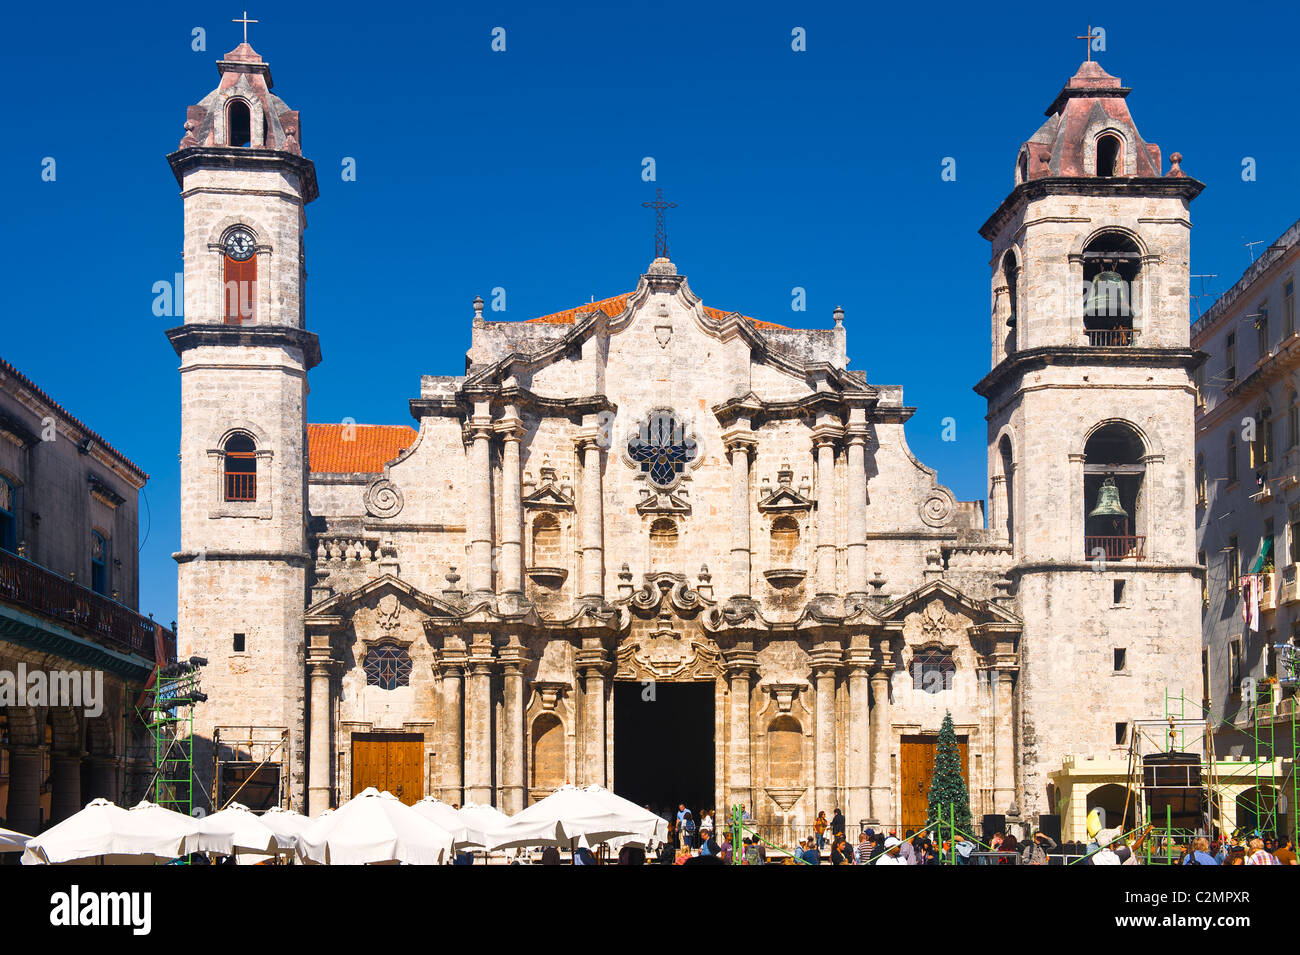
(240, 245)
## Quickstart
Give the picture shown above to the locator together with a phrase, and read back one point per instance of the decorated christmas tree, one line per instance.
(948, 786)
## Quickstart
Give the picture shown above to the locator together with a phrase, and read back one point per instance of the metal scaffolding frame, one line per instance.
(167, 711)
(249, 749)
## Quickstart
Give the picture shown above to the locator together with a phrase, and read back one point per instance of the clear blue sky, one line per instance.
(522, 169)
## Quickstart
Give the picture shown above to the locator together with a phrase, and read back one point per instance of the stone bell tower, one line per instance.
(245, 354)
(1090, 429)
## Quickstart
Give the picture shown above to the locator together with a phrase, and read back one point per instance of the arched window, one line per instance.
(239, 124)
(546, 541)
(1011, 278)
(1113, 473)
(239, 277)
(1202, 486)
(785, 542)
(784, 752)
(1293, 420)
(8, 515)
(1109, 151)
(1008, 472)
(1261, 449)
(663, 541)
(933, 669)
(1111, 263)
(547, 763)
(388, 666)
(1022, 167)
(98, 562)
(240, 468)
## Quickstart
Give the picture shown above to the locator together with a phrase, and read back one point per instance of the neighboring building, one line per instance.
(69, 588)
(667, 547)
(1248, 506)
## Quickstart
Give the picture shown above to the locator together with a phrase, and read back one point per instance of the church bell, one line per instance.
(1108, 504)
(1109, 295)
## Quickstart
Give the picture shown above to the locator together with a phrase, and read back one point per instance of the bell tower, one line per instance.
(245, 354)
(1090, 429)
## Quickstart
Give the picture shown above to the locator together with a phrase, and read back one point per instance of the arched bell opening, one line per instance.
(1113, 476)
(1111, 266)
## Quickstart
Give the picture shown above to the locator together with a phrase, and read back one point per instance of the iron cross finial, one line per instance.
(1089, 38)
(245, 22)
(661, 232)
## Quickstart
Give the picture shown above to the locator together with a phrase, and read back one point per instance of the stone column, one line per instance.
(824, 663)
(65, 801)
(513, 660)
(453, 740)
(857, 763)
(478, 525)
(881, 742)
(592, 521)
(102, 771)
(824, 442)
(24, 811)
(478, 726)
(740, 448)
(1004, 736)
(512, 510)
(740, 785)
(591, 759)
(320, 791)
(856, 505)
(998, 511)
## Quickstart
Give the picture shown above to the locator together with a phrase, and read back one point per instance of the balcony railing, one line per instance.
(44, 592)
(1112, 337)
(241, 486)
(1117, 548)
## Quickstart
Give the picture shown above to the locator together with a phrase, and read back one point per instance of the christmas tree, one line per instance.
(948, 786)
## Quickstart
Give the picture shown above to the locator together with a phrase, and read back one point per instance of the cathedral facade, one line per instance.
(676, 550)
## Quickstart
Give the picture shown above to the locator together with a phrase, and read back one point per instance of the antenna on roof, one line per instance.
(1196, 297)
(1251, 246)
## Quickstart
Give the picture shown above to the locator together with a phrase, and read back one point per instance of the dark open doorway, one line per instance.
(663, 745)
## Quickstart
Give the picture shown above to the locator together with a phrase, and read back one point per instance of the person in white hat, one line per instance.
(891, 854)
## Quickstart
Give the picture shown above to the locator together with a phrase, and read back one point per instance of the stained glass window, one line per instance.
(388, 666)
(661, 448)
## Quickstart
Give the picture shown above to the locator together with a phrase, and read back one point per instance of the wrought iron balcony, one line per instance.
(1116, 548)
(1112, 337)
(33, 588)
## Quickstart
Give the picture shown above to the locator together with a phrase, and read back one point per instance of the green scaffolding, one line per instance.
(168, 714)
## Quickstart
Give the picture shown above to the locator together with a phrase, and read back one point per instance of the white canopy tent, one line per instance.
(237, 830)
(110, 835)
(570, 814)
(374, 828)
(11, 841)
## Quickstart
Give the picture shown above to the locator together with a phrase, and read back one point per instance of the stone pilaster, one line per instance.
(856, 504)
(320, 790)
(741, 665)
(478, 721)
(592, 521)
(824, 664)
(824, 438)
(999, 510)
(741, 447)
(24, 811)
(452, 666)
(591, 665)
(1004, 740)
(478, 494)
(65, 772)
(857, 762)
(514, 797)
(510, 427)
(881, 742)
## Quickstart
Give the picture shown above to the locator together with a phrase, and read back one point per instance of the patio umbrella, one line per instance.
(236, 830)
(286, 824)
(11, 841)
(571, 813)
(470, 826)
(105, 834)
(374, 828)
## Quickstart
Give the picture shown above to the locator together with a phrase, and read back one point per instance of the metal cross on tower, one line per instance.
(1089, 38)
(245, 22)
(661, 233)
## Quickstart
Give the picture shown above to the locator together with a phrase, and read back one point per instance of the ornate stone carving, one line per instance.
(388, 613)
(667, 655)
(383, 498)
(938, 506)
(934, 620)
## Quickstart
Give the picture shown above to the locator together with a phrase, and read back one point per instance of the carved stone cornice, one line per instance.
(193, 335)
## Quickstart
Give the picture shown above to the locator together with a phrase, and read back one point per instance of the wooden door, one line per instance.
(391, 762)
(916, 771)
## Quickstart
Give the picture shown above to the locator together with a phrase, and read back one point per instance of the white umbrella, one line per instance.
(109, 834)
(286, 824)
(371, 829)
(473, 825)
(11, 841)
(235, 830)
(570, 813)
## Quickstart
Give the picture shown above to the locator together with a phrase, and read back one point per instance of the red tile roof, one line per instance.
(356, 448)
(615, 306)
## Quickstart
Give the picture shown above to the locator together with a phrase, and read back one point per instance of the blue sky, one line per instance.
(522, 169)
